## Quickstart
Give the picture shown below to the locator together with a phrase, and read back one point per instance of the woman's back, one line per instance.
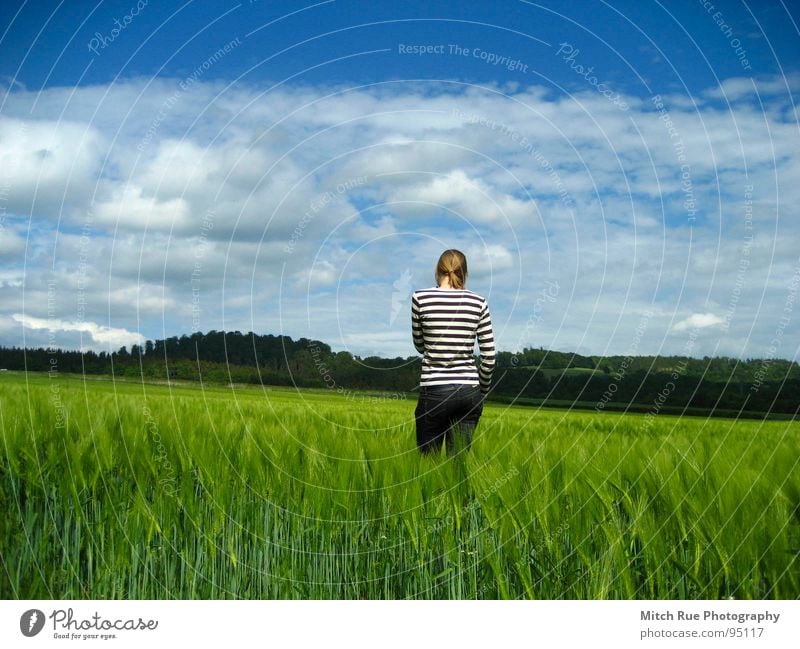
(445, 323)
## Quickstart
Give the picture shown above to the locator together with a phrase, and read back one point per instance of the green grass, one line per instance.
(149, 491)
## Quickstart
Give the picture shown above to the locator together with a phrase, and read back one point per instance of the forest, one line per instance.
(708, 385)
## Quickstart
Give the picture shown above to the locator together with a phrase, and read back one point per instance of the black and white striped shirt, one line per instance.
(444, 325)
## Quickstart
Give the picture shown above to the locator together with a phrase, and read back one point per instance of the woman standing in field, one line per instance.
(445, 322)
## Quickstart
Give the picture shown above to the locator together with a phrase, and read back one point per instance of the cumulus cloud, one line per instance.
(49, 164)
(11, 244)
(490, 258)
(128, 208)
(108, 338)
(295, 211)
(469, 199)
(698, 321)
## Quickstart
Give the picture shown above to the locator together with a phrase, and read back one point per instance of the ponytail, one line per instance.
(452, 263)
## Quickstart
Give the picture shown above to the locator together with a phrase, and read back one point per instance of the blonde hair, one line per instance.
(453, 264)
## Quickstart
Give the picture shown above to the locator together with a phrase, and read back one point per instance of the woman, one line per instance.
(445, 322)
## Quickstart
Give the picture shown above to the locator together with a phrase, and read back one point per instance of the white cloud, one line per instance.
(128, 208)
(489, 259)
(48, 164)
(737, 88)
(109, 338)
(528, 185)
(698, 321)
(469, 198)
(11, 244)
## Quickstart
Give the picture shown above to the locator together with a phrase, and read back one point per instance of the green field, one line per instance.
(150, 491)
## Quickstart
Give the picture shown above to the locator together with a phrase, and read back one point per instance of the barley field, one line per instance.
(124, 490)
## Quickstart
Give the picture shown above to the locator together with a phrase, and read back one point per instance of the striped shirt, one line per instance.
(444, 326)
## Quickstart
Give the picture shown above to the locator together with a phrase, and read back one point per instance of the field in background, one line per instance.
(149, 491)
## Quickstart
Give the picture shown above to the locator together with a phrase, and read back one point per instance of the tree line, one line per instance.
(711, 385)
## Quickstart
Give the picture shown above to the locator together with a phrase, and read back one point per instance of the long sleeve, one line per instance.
(486, 345)
(416, 326)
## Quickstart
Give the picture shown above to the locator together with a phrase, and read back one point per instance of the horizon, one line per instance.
(359, 356)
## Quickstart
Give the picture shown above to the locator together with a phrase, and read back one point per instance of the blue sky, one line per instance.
(623, 176)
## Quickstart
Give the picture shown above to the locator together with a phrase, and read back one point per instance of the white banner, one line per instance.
(399, 624)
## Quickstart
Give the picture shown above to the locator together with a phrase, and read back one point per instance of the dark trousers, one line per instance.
(449, 413)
